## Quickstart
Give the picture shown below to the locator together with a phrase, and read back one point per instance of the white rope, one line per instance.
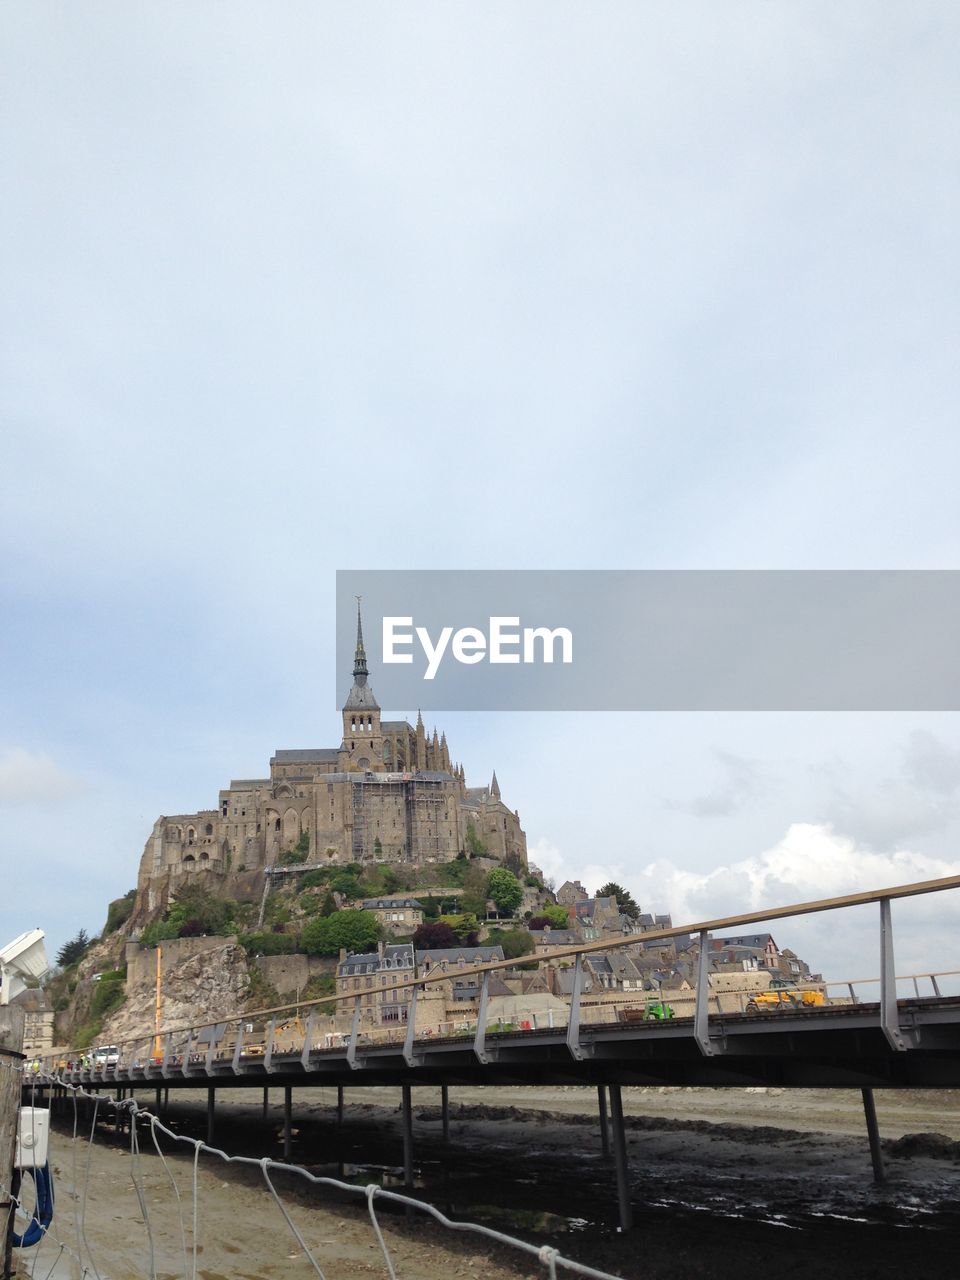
(547, 1257)
(264, 1164)
(176, 1190)
(86, 1182)
(136, 1177)
(372, 1190)
(196, 1200)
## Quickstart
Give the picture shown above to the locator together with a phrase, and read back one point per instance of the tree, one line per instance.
(505, 890)
(346, 883)
(623, 896)
(354, 930)
(515, 942)
(73, 950)
(434, 937)
(555, 917)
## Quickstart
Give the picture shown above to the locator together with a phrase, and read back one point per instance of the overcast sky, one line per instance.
(295, 287)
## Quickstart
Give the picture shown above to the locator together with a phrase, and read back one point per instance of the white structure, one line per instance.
(24, 957)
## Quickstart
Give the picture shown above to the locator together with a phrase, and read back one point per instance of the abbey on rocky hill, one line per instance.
(388, 793)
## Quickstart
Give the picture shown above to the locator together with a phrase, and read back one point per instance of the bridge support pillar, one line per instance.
(158, 1094)
(407, 1138)
(620, 1159)
(604, 1126)
(445, 1111)
(339, 1107)
(266, 1101)
(287, 1121)
(211, 1113)
(873, 1133)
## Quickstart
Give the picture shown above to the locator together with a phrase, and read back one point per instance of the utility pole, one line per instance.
(11, 1080)
(157, 1051)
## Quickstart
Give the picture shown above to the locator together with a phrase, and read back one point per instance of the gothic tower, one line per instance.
(362, 739)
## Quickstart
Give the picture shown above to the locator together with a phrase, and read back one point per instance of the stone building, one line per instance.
(388, 793)
(37, 1022)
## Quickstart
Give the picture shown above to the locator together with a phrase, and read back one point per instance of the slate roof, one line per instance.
(360, 698)
(385, 904)
(395, 956)
(306, 755)
(452, 955)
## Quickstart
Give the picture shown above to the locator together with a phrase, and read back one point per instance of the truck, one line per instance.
(784, 996)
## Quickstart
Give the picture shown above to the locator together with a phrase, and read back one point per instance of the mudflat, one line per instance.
(721, 1180)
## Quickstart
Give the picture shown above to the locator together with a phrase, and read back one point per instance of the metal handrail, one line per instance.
(701, 928)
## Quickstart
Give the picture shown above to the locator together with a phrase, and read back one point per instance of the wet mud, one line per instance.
(708, 1198)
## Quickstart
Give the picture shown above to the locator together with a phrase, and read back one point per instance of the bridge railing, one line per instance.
(350, 1021)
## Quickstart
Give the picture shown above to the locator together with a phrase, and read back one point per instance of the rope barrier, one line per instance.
(547, 1256)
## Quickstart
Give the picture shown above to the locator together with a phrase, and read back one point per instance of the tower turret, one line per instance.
(421, 760)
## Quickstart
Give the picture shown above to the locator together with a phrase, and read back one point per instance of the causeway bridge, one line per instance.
(895, 1041)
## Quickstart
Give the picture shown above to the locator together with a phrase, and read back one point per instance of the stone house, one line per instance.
(396, 915)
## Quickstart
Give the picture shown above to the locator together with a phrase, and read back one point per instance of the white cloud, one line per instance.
(811, 861)
(33, 778)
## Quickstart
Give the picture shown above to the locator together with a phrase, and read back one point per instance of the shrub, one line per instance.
(313, 880)
(119, 911)
(269, 943)
(355, 930)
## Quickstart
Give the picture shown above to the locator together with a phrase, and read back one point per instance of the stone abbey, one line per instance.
(388, 793)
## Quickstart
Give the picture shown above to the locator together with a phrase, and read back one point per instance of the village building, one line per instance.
(395, 914)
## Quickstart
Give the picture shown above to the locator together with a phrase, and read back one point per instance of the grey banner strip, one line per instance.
(647, 640)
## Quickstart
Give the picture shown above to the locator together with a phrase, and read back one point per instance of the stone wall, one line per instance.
(290, 974)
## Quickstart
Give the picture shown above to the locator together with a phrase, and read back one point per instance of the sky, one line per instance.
(301, 287)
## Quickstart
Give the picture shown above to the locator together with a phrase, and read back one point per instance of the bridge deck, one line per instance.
(833, 1046)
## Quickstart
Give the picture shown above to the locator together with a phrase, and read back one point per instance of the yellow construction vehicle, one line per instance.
(783, 996)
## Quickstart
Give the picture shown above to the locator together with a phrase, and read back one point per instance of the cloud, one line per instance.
(931, 765)
(33, 778)
(811, 861)
(743, 780)
(920, 799)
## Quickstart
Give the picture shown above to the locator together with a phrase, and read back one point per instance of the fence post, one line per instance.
(479, 1038)
(573, 1022)
(701, 1016)
(11, 1077)
(889, 1016)
(411, 1028)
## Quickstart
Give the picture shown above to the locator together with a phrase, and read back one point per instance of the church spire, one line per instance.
(360, 672)
(495, 786)
(361, 696)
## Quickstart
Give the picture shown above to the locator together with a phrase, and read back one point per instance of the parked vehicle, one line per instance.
(107, 1055)
(782, 996)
